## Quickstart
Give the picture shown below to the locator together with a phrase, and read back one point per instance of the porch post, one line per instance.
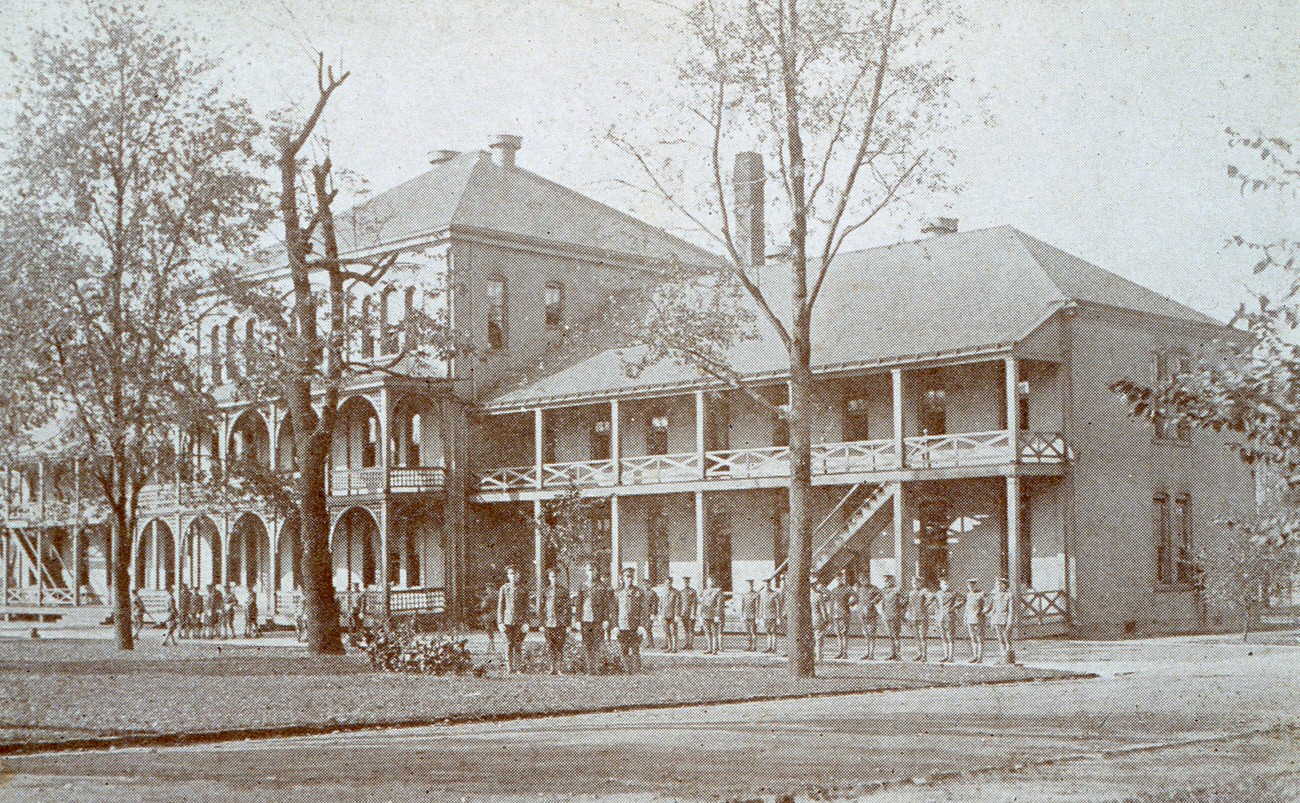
(383, 448)
(539, 547)
(615, 548)
(615, 450)
(901, 534)
(273, 560)
(896, 379)
(539, 430)
(384, 585)
(40, 531)
(699, 430)
(700, 542)
(1013, 550)
(1013, 408)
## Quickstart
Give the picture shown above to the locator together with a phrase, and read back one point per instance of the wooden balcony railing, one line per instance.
(1042, 607)
(417, 480)
(851, 457)
(356, 481)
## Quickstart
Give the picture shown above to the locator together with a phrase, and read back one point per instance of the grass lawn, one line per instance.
(66, 690)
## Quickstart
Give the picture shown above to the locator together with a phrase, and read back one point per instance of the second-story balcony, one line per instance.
(369, 481)
(957, 451)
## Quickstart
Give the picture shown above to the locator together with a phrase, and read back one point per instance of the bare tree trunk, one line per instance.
(120, 563)
(797, 597)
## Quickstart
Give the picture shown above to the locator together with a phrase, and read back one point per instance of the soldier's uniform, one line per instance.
(841, 600)
(216, 609)
(821, 616)
(553, 617)
(173, 620)
(690, 613)
(868, 614)
(891, 615)
(591, 611)
(629, 616)
(943, 612)
(670, 612)
(917, 616)
(183, 611)
(512, 618)
(1002, 615)
(649, 612)
(976, 615)
(769, 606)
(749, 614)
(713, 612)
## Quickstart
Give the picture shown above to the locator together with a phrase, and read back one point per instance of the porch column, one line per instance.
(539, 547)
(896, 377)
(1013, 549)
(1013, 408)
(615, 549)
(902, 532)
(40, 530)
(385, 587)
(699, 430)
(615, 449)
(4, 563)
(383, 449)
(243, 560)
(224, 535)
(539, 432)
(273, 560)
(700, 542)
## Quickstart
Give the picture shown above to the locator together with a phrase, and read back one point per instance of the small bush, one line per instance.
(405, 650)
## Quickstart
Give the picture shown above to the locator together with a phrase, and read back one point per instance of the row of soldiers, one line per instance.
(199, 613)
(627, 615)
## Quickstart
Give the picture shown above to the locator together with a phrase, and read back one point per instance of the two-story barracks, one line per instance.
(964, 425)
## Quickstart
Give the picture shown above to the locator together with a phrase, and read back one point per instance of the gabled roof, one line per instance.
(474, 193)
(944, 295)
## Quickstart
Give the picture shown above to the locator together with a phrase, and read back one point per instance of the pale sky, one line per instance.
(1106, 138)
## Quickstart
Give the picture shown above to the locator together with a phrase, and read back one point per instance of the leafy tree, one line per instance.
(846, 104)
(568, 527)
(127, 153)
(1248, 565)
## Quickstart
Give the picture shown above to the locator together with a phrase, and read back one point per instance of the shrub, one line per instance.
(573, 659)
(405, 650)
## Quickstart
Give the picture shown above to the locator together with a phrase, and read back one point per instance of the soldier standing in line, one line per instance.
(649, 610)
(216, 608)
(299, 616)
(890, 613)
(512, 618)
(841, 600)
(977, 611)
(918, 616)
(943, 611)
(769, 605)
(670, 612)
(197, 612)
(712, 606)
(251, 627)
(173, 620)
(228, 613)
(749, 614)
(868, 602)
(357, 615)
(1003, 618)
(553, 617)
(690, 612)
(628, 620)
(591, 615)
(820, 615)
(137, 613)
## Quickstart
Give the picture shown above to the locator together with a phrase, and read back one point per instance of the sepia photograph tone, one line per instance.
(649, 400)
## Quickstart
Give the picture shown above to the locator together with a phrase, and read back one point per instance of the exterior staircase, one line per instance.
(870, 498)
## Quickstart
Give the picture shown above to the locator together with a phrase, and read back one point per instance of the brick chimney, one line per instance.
(748, 178)
(505, 148)
(939, 225)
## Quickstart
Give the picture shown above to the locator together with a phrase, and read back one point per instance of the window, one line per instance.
(232, 364)
(1186, 568)
(367, 328)
(1160, 524)
(214, 353)
(601, 432)
(1167, 369)
(388, 323)
(717, 420)
(554, 304)
(250, 346)
(496, 313)
(855, 419)
(934, 412)
(656, 434)
(369, 450)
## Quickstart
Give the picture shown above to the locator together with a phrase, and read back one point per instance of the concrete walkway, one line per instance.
(1154, 693)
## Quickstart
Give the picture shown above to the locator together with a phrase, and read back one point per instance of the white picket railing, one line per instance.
(656, 468)
(1043, 607)
(964, 449)
(417, 480)
(582, 473)
(356, 481)
(506, 479)
(769, 461)
(1043, 447)
(852, 457)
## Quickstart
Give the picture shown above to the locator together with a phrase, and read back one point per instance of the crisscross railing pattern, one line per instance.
(768, 461)
(964, 449)
(1042, 607)
(582, 473)
(656, 468)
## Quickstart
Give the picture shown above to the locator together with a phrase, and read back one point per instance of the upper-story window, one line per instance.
(1168, 367)
(554, 304)
(934, 412)
(656, 434)
(855, 419)
(601, 433)
(232, 351)
(214, 354)
(389, 318)
(1185, 568)
(496, 313)
(367, 328)
(250, 346)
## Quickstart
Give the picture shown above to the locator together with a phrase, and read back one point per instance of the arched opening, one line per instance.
(155, 556)
(416, 555)
(290, 545)
(354, 546)
(250, 440)
(416, 439)
(201, 564)
(250, 554)
(286, 457)
(356, 438)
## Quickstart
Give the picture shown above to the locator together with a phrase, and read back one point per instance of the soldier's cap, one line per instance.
(973, 580)
(629, 570)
